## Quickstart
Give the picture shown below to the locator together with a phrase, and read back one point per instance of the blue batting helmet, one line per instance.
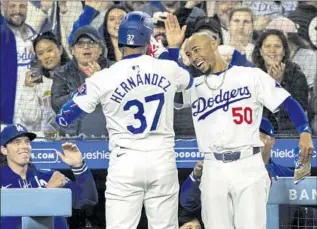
(135, 29)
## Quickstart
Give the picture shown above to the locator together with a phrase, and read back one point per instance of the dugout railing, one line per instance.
(285, 192)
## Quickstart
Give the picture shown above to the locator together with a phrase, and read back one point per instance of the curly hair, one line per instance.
(257, 58)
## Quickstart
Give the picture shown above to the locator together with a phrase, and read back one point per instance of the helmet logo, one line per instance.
(19, 127)
(130, 39)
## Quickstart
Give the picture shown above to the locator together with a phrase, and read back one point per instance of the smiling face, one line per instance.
(48, 53)
(200, 50)
(272, 50)
(113, 22)
(15, 12)
(18, 151)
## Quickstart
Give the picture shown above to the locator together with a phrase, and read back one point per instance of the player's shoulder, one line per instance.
(159, 61)
(246, 71)
(100, 76)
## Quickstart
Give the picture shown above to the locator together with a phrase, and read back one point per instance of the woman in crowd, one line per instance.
(49, 55)
(110, 31)
(300, 51)
(271, 54)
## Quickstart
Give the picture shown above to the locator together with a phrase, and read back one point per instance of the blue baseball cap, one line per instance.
(12, 132)
(266, 127)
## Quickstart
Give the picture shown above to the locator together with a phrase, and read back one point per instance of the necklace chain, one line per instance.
(221, 83)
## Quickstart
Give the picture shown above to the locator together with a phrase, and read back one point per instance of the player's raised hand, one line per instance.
(72, 155)
(174, 33)
(57, 180)
(156, 48)
(306, 147)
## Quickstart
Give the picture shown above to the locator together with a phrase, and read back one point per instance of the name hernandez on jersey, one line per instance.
(231, 114)
(137, 99)
(139, 80)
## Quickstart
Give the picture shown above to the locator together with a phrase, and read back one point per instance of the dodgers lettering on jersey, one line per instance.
(205, 107)
(228, 117)
(137, 96)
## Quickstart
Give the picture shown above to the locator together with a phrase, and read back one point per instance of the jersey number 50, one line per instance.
(241, 115)
(140, 113)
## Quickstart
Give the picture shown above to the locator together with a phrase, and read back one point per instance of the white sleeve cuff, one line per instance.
(80, 170)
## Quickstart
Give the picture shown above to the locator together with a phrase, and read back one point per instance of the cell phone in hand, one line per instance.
(36, 71)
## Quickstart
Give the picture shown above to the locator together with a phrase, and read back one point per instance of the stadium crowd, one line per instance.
(49, 48)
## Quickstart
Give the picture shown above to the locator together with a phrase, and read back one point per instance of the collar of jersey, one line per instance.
(131, 56)
(233, 60)
(8, 172)
(218, 73)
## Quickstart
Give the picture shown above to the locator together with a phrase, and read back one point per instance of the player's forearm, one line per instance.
(69, 112)
(85, 18)
(296, 114)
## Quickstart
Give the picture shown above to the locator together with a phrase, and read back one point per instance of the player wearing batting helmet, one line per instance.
(137, 96)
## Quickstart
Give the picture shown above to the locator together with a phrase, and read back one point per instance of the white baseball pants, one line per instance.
(234, 195)
(136, 178)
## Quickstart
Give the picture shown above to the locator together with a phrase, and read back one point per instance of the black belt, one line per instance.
(233, 156)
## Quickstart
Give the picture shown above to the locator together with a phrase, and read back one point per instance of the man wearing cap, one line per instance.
(88, 51)
(19, 172)
(190, 192)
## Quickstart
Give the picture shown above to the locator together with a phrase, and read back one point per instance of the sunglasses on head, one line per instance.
(49, 35)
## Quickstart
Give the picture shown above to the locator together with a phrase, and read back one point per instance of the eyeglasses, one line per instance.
(89, 44)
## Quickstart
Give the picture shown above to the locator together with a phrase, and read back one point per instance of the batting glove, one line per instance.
(156, 48)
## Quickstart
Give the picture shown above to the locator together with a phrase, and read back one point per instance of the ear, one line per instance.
(4, 150)
(213, 44)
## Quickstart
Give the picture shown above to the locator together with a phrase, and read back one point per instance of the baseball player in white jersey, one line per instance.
(227, 105)
(137, 96)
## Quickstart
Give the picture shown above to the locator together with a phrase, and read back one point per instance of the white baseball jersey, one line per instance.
(137, 97)
(228, 118)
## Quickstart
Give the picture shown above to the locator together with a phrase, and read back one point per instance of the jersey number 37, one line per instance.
(140, 112)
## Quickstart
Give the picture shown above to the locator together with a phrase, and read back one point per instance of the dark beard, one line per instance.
(11, 23)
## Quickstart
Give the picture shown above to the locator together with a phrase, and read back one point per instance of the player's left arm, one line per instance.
(274, 97)
(84, 100)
